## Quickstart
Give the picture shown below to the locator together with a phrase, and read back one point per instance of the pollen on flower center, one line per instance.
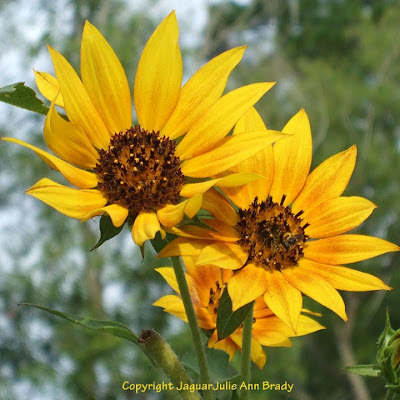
(272, 235)
(140, 171)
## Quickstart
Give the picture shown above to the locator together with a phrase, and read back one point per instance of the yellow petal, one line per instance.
(68, 141)
(171, 214)
(49, 87)
(318, 289)
(74, 203)
(159, 76)
(216, 204)
(173, 305)
(145, 227)
(219, 119)
(346, 249)
(283, 298)
(105, 80)
(79, 107)
(183, 246)
(307, 325)
(337, 216)
(327, 181)
(262, 163)
(202, 90)
(117, 213)
(246, 285)
(343, 278)
(229, 152)
(292, 159)
(169, 275)
(232, 180)
(193, 205)
(78, 177)
(223, 255)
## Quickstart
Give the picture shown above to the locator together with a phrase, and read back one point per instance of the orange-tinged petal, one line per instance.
(171, 214)
(183, 246)
(68, 141)
(145, 227)
(159, 76)
(292, 158)
(193, 189)
(193, 205)
(117, 213)
(105, 80)
(49, 87)
(337, 216)
(229, 152)
(283, 298)
(346, 249)
(246, 285)
(74, 203)
(79, 107)
(227, 345)
(318, 289)
(262, 163)
(327, 181)
(343, 278)
(202, 90)
(219, 119)
(216, 204)
(197, 232)
(78, 177)
(223, 255)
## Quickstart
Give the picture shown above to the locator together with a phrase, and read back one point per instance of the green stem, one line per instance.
(192, 320)
(246, 353)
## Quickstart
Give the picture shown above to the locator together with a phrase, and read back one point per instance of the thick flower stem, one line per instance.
(192, 320)
(246, 353)
(163, 357)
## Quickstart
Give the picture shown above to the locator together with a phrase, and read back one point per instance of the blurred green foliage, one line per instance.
(338, 60)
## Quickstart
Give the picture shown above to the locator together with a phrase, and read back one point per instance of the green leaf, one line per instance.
(112, 327)
(373, 370)
(107, 231)
(22, 96)
(227, 320)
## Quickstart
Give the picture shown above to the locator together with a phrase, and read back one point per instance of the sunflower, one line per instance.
(286, 235)
(140, 171)
(206, 285)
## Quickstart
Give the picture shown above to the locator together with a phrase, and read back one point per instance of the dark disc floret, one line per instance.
(140, 171)
(271, 234)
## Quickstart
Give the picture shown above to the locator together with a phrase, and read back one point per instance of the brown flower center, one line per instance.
(140, 171)
(271, 234)
(215, 296)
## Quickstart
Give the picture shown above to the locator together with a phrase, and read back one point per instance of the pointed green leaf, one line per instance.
(22, 96)
(112, 327)
(107, 231)
(228, 321)
(373, 370)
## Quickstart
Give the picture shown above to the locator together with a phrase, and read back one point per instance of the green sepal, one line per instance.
(384, 338)
(159, 243)
(372, 370)
(107, 231)
(227, 320)
(111, 327)
(19, 95)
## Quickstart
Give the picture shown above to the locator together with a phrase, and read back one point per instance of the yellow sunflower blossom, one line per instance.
(286, 236)
(140, 171)
(206, 285)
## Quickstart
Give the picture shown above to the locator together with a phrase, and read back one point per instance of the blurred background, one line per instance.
(339, 60)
